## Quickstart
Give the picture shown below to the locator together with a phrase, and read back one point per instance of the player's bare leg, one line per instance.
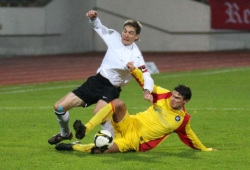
(61, 110)
(116, 108)
(120, 110)
(113, 149)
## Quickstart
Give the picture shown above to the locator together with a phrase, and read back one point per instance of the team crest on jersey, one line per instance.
(177, 118)
(143, 68)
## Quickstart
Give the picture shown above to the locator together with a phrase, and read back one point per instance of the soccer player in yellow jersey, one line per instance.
(145, 130)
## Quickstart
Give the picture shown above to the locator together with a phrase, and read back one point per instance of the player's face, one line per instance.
(177, 101)
(129, 35)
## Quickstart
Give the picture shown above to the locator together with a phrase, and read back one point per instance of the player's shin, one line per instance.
(108, 126)
(103, 115)
(63, 120)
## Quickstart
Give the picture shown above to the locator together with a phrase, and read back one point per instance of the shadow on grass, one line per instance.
(151, 156)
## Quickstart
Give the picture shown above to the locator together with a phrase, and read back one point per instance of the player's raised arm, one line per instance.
(137, 74)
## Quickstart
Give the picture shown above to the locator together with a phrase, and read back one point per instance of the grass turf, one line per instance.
(219, 109)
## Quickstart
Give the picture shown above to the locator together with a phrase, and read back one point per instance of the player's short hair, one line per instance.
(134, 23)
(185, 91)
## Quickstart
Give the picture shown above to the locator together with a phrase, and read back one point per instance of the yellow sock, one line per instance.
(104, 114)
(83, 147)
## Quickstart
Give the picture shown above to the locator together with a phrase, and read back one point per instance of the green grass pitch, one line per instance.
(219, 110)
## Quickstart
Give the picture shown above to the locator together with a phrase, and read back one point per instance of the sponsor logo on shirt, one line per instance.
(110, 32)
(177, 118)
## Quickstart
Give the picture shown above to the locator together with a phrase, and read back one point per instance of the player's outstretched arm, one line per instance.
(189, 138)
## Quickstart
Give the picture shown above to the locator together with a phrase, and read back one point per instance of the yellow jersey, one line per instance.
(160, 120)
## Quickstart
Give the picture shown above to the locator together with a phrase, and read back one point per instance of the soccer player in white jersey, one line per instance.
(105, 86)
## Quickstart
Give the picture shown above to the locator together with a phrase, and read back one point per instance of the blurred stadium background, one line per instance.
(51, 40)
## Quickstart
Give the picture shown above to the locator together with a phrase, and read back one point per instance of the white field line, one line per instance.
(131, 108)
(11, 91)
(206, 73)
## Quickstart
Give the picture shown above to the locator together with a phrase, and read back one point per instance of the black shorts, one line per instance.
(97, 88)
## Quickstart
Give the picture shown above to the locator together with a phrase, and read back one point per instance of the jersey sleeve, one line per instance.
(105, 33)
(187, 135)
(148, 81)
(143, 77)
(137, 74)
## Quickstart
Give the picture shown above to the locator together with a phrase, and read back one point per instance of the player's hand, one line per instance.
(148, 96)
(210, 150)
(130, 66)
(92, 14)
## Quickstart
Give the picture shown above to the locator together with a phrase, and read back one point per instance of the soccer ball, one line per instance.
(103, 139)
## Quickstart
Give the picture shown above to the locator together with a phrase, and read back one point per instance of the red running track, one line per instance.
(51, 68)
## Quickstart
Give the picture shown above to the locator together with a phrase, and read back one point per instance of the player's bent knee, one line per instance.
(59, 110)
(118, 103)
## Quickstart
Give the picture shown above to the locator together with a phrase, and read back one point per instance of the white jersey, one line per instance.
(113, 66)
